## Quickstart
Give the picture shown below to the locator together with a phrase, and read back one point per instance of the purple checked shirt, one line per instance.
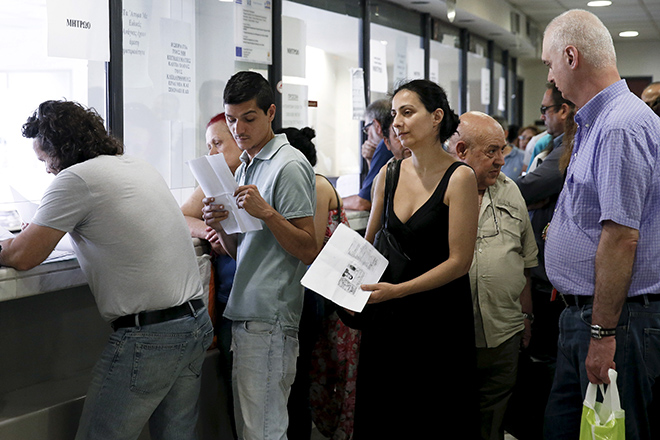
(614, 174)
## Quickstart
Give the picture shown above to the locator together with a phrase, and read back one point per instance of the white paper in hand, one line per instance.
(346, 262)
(216, 180)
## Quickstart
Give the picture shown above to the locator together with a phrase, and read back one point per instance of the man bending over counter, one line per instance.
(145, 279)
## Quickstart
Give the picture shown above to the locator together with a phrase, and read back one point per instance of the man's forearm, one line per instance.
(296, 236)
(614, 262)
(29, 248)
(356, 203)
(196, 226)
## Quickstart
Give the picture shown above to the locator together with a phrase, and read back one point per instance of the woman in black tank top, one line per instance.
(417, 355)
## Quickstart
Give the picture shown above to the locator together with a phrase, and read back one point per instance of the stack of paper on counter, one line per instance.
(216, 180)
(346, 262)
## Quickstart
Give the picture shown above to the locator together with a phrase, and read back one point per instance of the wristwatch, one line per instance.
(598, 332)
(529, 316)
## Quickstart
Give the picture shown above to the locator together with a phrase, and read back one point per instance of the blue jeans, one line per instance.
(637, 361)
(264, 357)
(150, 373)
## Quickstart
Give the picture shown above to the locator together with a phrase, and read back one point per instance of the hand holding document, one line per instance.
(346, 262)
(217, 181)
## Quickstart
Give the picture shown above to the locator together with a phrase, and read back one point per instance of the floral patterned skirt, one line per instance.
(333, 376)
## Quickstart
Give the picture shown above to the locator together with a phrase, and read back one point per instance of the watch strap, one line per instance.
(598, 332)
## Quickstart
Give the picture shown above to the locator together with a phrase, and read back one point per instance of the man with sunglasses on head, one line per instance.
(504, 253)
(555, 110)
(374, 151)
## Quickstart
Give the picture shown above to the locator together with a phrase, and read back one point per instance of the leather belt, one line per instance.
(157, 316)
(583, 300)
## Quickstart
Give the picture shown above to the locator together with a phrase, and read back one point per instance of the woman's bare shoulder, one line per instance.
(325, 192)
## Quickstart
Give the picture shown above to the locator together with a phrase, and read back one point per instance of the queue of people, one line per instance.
(555, 261)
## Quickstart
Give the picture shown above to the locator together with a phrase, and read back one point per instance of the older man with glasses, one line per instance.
(505, 251)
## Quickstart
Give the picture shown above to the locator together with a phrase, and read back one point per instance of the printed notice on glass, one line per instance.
(357, 93)
(253, 31)
(378, 54)
(501, 100)
(485, 86)
(136, 30)
(217, 181)
(79, 29)
(294, 105)
(346, 262)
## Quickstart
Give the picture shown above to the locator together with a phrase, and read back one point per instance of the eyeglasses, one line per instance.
(365, 129)
(497, 224)
(545, 108)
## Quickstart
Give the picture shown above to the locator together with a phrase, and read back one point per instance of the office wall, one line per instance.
(633, 59)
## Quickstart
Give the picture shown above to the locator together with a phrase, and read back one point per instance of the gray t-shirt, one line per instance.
(129, 234)
(267, 282)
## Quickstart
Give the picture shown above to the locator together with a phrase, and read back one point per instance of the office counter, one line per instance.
(47, 277)
(51, 335)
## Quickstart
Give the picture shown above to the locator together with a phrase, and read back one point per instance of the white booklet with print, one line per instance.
(346, 261)
(216, 180)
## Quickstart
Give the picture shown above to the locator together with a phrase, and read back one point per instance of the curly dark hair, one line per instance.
(301, 140)
(433, 97)
(69, 133)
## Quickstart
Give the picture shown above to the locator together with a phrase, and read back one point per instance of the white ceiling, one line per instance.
(623, 15)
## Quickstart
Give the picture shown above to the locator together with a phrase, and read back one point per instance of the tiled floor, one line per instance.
(317, 436)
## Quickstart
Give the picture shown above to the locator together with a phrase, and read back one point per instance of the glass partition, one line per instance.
(404, 59)
(330, 58)
(478, 76)
(178, 56)
(28, 76)
(445, 55)
(500, 75)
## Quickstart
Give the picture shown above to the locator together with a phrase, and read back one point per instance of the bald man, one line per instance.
(504, 253)
(603, 246)
(651, 93)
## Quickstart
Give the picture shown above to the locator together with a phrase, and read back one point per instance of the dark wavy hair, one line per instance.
(245, 86)
(433, 97)
(301, 140)
(69, 133)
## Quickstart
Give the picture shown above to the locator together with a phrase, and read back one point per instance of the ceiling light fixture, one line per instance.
(451, 10)
(628, 34)
(599, 3)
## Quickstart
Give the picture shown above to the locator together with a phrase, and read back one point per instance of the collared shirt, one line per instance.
(267, 281)
(505, 247)
(513, 162)
(614, 175)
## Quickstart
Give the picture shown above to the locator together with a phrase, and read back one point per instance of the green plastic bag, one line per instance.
(603, 420)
